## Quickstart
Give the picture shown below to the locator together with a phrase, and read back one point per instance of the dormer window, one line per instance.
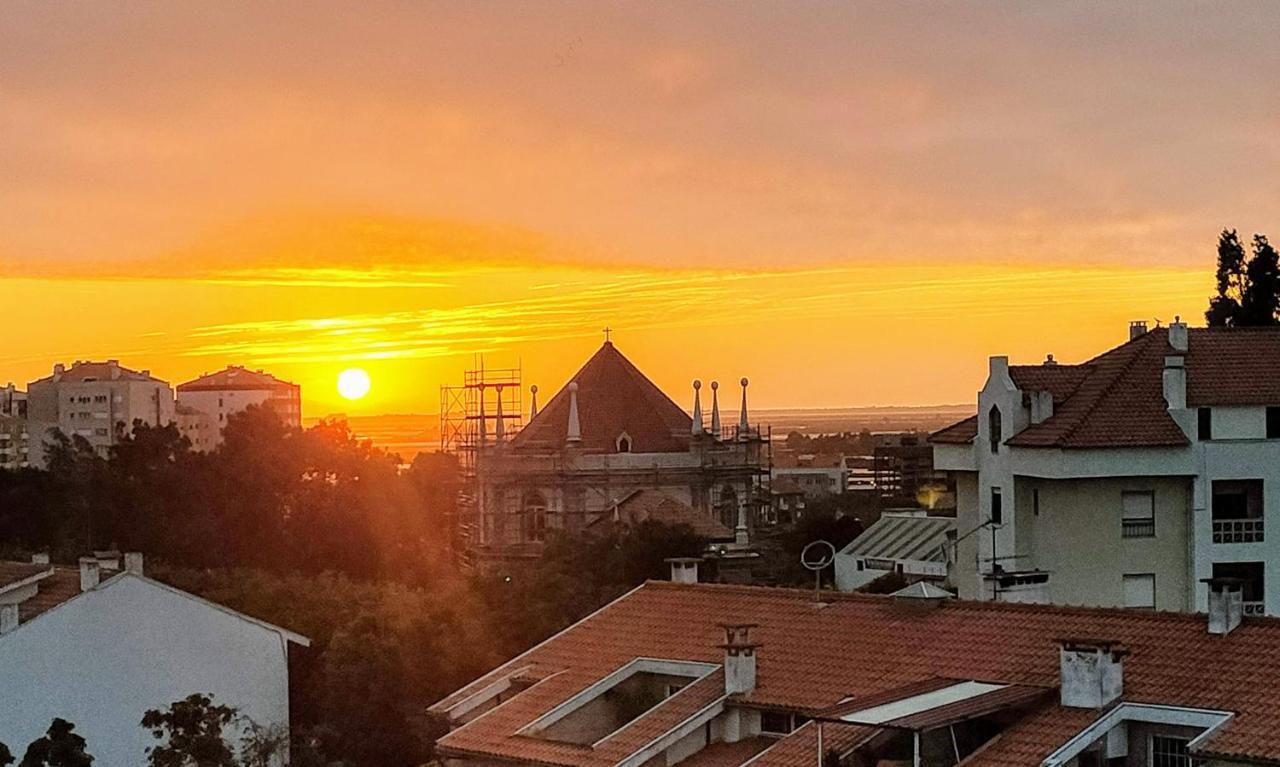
(623, 443)
(994, 428)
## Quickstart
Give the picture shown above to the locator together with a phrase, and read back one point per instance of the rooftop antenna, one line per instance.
(816, 557)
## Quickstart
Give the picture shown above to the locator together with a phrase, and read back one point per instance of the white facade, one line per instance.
(106, 656)
(1117, 526)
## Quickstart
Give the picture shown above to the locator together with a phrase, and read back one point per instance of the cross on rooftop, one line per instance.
(607, 331)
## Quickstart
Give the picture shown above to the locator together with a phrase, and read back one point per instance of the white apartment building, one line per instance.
(98, 401)
(1126, 480)
(220, 395)
(15, 431)
(101, 644)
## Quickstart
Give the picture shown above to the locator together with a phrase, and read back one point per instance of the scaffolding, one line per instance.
(469, 412)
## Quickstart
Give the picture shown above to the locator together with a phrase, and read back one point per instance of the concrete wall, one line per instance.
(104, 658)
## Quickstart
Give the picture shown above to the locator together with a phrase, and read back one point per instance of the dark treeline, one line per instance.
(322, 533)
(1248, 286)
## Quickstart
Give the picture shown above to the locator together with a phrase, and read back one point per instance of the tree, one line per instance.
(60, 747)
(1224, 308)
(192, 733)
(6, 756)
(1262, 296)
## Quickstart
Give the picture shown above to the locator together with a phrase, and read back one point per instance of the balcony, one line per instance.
(1138, 528)
(1238, 530)
(1254, 608)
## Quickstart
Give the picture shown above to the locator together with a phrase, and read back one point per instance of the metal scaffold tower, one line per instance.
(469, 412)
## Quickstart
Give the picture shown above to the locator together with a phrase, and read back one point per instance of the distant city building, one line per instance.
(198, 427)
(815, 481)
(1127, 480)
(99, 401)
(222, 394)
(15, 430)
(100, 644)
(607, 435)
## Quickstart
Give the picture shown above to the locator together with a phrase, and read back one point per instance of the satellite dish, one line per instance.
(818, 556)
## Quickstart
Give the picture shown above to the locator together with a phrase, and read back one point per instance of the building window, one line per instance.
(1168, 751)
(1204, 423)
(1237, 511)
(1035, 501)
(1273, 423)
(776, 722)
(1138, 514)
(997, 510)
(623, 443)
(1251, 575)
(1140, 591)
(994, 429)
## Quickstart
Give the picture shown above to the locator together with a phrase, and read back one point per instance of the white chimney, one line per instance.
(108, 560)
(1091, 673)
(8, 618)
(1041, 406)
(999, 365)
(89, 573)
(683, 569)
(1226, 604)
(133, 562)
(1137, 328)
(1178, 335)
(41, 558)
(1175, 382)
(739, 659)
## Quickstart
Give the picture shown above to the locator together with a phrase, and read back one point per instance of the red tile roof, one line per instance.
(613, 397)
(1117, 398)
(646, 505)
(800, 748)
(16, 572)
(730, 754)
(236, 378)
(81, 371)
(816, 655)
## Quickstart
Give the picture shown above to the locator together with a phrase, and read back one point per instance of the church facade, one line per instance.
(609, 434)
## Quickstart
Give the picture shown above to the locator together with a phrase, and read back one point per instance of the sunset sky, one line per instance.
(852, 204)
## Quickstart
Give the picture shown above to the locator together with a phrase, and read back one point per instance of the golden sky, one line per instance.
(855, 204)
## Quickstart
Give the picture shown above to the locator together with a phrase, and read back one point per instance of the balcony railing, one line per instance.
(1237, 530)
(1138, 528)
(1254, 608)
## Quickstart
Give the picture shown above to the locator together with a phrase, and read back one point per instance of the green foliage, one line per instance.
(60, 747)
(191, 731)
(1248, 287)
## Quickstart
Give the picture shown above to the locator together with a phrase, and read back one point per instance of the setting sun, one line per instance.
(353, 383)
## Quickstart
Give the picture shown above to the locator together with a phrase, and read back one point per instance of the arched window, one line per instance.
(727, 506)
(534, 516)
(993, 429)
(623, 443)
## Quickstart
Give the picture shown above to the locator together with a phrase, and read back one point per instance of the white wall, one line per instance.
(104, 658)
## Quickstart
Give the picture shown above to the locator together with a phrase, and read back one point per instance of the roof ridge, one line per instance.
(1110, 385)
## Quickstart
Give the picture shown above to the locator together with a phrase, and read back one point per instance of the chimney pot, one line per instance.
(739, 659)
(1137, 328)
(1226, 604)
(8, 618)
(1178, 335)
(90, 572)
(40, 558)
(133, 562)
(683, 569)
(1091, 673)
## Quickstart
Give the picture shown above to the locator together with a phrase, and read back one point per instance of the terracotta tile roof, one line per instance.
(236, 378)
(960, 433)
(730, 754)
(15, 572)
(99, 371)
(1035, 737)
(799, 748)
(814, 656)
(613, 397)
(645, 505)
(1117, 398)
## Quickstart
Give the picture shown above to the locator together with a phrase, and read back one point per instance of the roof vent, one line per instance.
(1049, 360)
(1137, 328)
(90, 572)
(1091, 672)
(739, 658)
(683, 569)
(1178, 335)
(1226, 604)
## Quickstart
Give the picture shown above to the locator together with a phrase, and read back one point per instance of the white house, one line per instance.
(908, 542)
(101, 644)
(1126, 480)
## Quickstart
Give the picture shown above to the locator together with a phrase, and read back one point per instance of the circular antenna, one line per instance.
(818, 556)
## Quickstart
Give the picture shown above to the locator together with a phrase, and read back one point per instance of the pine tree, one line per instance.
(1225, 307)
(1261, 301)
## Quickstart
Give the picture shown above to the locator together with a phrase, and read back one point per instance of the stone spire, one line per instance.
(500, 428)
(533, 408)
(715, 409)
(574, 434)
(743, 425)
(697, 407)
